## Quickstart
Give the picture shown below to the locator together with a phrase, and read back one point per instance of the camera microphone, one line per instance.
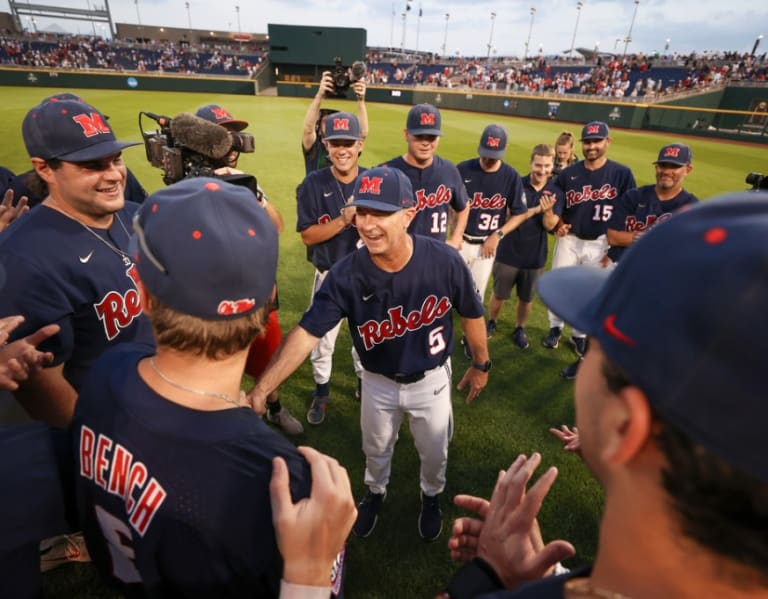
(161, 120)
(201, 136)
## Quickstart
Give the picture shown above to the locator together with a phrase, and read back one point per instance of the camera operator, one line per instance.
(312, 147)
(263, 346)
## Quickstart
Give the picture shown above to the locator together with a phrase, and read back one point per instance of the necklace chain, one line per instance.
(124, 255)
(223, 396)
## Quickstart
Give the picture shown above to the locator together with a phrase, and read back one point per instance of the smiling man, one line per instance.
(67, 261)
(397, 294)
(639, 209)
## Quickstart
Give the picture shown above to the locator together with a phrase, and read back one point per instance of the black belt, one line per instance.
(406, 379)
(474, 240)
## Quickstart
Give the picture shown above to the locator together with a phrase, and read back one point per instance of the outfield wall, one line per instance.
(46, 78)
(727, 111)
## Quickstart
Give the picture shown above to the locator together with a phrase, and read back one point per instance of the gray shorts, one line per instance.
(505, 277)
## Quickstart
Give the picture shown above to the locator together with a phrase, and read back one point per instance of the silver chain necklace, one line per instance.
(124, 255)
(223, 396)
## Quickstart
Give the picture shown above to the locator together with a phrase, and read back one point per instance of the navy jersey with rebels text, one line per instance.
(491, 196)
(436, 188)
(320, 198)
(526, 246)
(640, 209)
(59, 271)
(590, 195)
(401, 322)
(174, 502)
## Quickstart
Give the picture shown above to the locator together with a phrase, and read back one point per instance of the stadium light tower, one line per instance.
(757, 43)
(189, 20)
(628, 39)
(445, 35)
(579, 6)
(490, 39)
(138, 16)
(530, 29)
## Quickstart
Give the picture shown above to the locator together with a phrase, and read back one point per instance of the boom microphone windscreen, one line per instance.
(201, 136)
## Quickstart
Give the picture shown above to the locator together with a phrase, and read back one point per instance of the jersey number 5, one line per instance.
(436, 341)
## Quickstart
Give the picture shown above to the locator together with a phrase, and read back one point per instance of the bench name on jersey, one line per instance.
(374, 332)
(442, 195)
(117, 311)
(494, 202)
(112, 467)
(587, 194)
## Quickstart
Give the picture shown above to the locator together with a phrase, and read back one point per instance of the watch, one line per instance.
(500, 233)
(484, 367)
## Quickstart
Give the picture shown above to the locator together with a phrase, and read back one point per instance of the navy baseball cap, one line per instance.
(220, 116)
(383, 188)
(683, 314)
(69, 130)
(678, 154)
(424, 119)
(595, 130)
(493, 142)
(342, 125)
(206, 248)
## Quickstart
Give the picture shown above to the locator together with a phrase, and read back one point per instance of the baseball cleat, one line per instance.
(552, 340)
(579, 345)
(285, 421)
(490, 328)
(520, 338)
(368, 514)
(430, 518)
(569, 372)
(316, 413)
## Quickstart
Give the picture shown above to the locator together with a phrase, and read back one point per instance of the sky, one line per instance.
(470, 28)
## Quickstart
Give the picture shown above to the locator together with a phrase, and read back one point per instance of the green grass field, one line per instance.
(526, 394)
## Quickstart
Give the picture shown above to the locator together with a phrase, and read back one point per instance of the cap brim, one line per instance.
(594, 137)
(233, 125)
(347, 137)
(493, 154)
(425, 132)
(374, 205)
(96, 151)
(675, 162)
(570, 293)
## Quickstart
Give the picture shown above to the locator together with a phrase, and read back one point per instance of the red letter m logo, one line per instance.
(592, 129)
(341, 124)
(220, 114)
(92, 124)
(371, 185)
(671, 152)
(493, 142)
(427, 119)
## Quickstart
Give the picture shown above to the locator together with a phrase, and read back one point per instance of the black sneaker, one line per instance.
(579, 345)
(520, 338)
(490, 328)
(431, 518)
(316, 413)
(465, 346)
(569, 372)
(368, 514)
(552, 340)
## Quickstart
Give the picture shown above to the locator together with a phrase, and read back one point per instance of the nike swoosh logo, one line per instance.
(328, 195)
(574, 178)
(467, 180)
(85, 259)
(368, 297)
(641, 205)
(440, 390)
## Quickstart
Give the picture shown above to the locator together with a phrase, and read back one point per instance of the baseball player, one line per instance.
(522, 254)
(397, 293)
(436, 182)
(263, 345)
(640, 209)
(495, 192)
(591, 188)
(312, 147)
(173, 464)
(67, 261)
(328, 231)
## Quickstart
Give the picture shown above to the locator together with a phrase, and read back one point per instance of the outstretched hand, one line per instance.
(507, 534)
(312, 532)
(569, 438)
(21, 358)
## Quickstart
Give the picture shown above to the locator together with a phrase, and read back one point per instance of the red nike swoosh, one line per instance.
(610, 326)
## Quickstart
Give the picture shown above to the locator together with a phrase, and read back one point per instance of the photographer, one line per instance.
(312, 147)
